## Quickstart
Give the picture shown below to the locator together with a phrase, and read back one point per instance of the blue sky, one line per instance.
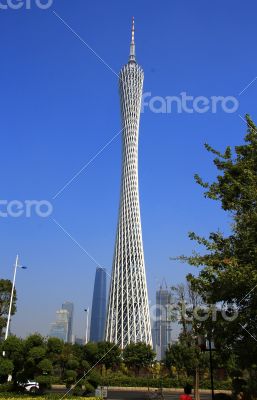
(60, 106)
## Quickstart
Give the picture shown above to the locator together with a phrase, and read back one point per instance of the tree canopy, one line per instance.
(138, 355)
(228, 274)
(5, 296)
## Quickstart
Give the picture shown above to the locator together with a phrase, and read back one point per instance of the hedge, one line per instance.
(166, 382)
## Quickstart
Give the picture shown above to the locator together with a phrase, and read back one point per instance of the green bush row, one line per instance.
(126, 381)
(167, 382)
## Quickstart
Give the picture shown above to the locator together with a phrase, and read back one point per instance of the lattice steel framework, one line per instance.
(128, 318)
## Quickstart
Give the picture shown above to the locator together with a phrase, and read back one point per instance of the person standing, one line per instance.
(187, 393)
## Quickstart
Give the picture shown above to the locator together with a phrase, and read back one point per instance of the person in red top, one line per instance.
(187, 393)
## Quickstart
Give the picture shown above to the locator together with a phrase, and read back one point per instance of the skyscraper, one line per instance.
(59, 328)
(70, 308)
(128, 318)
(98, 315)
(163, 322)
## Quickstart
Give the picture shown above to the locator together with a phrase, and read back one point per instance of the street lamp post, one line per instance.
(12, 293)
(16, 265)
(86, 338)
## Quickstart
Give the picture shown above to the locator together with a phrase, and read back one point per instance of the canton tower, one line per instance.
(128, 318)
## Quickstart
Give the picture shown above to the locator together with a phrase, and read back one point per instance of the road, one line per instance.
(134, 394)
(139, 395)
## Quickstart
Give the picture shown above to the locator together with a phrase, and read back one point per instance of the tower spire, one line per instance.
(132, 53)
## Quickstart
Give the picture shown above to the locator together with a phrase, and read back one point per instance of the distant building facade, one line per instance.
(59, 328)
(163, 324)
(98, 314)
(70, 308)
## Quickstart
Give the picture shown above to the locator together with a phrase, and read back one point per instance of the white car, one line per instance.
(32, 387)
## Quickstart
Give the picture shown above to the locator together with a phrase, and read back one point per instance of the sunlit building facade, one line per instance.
(59, 328)
(70, 308)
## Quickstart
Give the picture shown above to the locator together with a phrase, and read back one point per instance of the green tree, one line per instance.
(108, 354)
(102, 353)
(14, 352)
(69, 377)
(6, 368)
(35, 351)
(91, 353)
(45, 367)
(5, 296)
(65, 356)
(228, 263)
(138, 355)
(186, 359)
(54, 348)
(34, 340)
(43, 373)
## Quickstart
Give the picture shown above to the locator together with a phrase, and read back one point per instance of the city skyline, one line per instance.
(65, 103)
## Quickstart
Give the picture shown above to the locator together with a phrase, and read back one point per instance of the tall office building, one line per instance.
(98, 314)
(128, 318)
(163, 323)
(59, 328)
(70, 308)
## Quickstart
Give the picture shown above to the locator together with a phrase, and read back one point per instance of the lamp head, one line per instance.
(22, 266)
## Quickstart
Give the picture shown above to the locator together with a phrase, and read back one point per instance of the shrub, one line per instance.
(70, 377)
(94, 379)
(88, 388)
(77, 390)
(6, 387)
(125, 381)
(44, 382)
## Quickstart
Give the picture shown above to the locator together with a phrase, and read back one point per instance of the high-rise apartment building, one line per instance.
(128, 318)
(163, 322)
(70, 308)
(59, 328)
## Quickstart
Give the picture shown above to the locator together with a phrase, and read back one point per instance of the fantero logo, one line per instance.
(27, 4)
(26, 208)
